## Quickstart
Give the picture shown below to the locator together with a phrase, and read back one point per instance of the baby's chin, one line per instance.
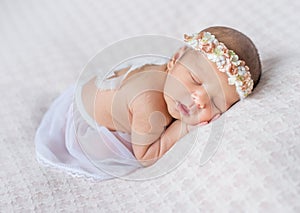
(188, 119)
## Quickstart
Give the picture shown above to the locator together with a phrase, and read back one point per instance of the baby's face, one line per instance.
(195, 90)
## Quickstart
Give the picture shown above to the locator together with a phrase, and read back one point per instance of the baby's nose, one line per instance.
(199, 99)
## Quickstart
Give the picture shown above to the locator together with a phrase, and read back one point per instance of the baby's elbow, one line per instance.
(150, 155)
(147, 162)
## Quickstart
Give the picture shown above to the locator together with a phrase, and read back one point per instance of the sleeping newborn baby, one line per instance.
(135, 124)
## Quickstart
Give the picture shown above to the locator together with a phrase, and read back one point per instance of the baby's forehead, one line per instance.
(192, 56)
(195, 61)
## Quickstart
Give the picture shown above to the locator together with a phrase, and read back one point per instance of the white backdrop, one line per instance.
(44, 45)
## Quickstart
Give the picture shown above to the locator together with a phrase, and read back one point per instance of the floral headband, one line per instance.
(225, 59)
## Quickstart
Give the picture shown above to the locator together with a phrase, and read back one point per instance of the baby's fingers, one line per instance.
(215, 117)
(192, 127)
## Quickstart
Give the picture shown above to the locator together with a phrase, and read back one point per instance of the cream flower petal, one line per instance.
(226, 60)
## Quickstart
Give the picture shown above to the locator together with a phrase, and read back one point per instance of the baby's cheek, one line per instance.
(171, 107)
(205, 115)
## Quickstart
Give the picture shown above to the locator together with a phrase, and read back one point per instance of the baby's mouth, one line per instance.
(182, 108)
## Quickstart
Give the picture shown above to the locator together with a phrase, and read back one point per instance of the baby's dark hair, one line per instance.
(242, 46)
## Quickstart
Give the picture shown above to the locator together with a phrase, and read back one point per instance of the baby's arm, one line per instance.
(150, 140)
(149, 154)
(172, 134)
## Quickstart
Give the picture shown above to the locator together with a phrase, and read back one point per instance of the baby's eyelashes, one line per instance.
(195, 79)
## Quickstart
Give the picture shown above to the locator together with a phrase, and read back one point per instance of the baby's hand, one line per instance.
(192, 127)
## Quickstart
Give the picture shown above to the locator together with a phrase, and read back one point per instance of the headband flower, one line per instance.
(226, 60)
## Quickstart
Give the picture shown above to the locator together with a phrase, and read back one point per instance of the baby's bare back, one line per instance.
(142, 87)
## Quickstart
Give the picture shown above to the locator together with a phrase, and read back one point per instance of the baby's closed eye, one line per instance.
(195, 79)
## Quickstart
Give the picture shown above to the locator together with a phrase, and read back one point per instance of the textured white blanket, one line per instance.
(44, 45)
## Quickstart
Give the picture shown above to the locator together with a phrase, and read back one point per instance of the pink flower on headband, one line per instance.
(226, 60)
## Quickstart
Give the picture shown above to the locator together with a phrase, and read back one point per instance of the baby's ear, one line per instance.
(176, 56)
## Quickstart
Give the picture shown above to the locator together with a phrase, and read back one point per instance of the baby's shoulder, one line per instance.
(147, 68)
(150, 99)
(151, 105)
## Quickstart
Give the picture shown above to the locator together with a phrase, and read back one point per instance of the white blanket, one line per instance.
(44, 45)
